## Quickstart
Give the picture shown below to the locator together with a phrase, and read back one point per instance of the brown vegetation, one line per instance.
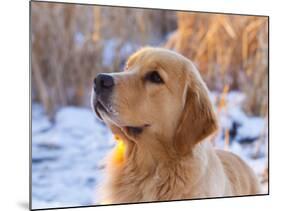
(63, 66)
(230, 50)
(69, 41)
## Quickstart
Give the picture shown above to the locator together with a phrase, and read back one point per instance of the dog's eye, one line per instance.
(154, 77)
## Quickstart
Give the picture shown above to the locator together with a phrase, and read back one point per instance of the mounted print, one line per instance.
(135, 105)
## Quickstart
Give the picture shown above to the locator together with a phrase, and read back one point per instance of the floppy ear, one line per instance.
(198, 119)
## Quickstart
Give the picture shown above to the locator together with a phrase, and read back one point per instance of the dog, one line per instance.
(160, 108)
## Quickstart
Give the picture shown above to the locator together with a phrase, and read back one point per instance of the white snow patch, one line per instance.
(67, 158)
(252, 127)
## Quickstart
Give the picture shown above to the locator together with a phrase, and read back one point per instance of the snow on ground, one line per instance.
(67, 155)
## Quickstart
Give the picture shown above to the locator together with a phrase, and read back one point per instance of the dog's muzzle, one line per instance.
(103, 86)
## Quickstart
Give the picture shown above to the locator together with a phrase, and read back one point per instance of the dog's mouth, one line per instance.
(107, 111)
(101, 107)
(133, 131)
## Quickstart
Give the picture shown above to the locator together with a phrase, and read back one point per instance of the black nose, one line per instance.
(103, 82)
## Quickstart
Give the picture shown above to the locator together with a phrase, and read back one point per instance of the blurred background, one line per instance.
(71, 43)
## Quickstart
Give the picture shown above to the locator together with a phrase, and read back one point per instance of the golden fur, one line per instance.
(170, 158)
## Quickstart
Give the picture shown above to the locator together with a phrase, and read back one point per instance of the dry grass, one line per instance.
(63, 67)
(229, 50)
(68, 42)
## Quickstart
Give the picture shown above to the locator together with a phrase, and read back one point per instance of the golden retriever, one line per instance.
(159, 107)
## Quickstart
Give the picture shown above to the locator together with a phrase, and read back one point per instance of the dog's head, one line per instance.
(159, 99)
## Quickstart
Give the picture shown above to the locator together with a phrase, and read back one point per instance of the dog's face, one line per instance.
(150, 98)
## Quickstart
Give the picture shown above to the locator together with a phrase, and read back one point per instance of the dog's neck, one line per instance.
(158, 153)
(154, 172)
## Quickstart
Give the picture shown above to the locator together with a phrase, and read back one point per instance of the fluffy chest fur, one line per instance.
(181, 179)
